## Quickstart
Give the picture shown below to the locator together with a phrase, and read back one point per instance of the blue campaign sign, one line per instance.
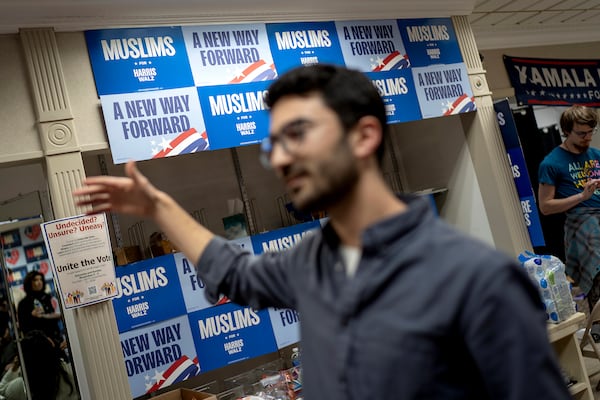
(229, 333)
(299, 43)
(228, 54)
(159, 355)
(399, 95)
(133, 60)
(541, 81)
(143, 287)
(510, 137)
(155, 124)
(372, 46)
(284, 238)
(443, 90)
(235, 115)
(430, 41)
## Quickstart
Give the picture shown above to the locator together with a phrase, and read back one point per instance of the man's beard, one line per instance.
(340, 174)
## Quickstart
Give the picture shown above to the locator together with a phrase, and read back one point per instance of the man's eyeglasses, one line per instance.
(290, 138)
(584, 134)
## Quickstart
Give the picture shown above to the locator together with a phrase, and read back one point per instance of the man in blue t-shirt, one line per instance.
(569, 178)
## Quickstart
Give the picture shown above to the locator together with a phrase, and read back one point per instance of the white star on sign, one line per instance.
(239, 73)
(158, 376)
(165, 145)
(448, 106)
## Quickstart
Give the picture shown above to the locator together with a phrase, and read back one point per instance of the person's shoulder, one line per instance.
(555, 154)
(15, 390)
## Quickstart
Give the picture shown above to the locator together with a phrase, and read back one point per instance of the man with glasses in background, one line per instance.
(393, 302)
(569, 182)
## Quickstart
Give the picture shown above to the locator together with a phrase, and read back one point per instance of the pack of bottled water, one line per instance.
(548, 274)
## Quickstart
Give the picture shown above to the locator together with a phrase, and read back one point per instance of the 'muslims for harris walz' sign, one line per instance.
(539, 81)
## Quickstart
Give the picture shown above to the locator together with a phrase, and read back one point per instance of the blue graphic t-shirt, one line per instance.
(569, 172)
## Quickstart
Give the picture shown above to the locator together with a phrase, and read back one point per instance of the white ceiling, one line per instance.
(496, 23)
(518, 23)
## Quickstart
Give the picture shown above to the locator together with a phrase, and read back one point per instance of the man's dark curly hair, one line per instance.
(349, 93)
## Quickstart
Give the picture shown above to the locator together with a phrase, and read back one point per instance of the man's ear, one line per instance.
(367, 137)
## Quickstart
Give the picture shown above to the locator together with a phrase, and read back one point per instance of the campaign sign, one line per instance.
(372, 46)
(31, 234)
(43, 267)
(17, 275)
(15, 257)
(510, 137)
(226, 54)
(35, 252)
(443, 90)
(155, 124)
(149, 291)
(397, 90)
(159, 355)
(134, 60)
(229, 333)
(235, 115)
(191, 286)
(430, 41)
(10, 239)
(539, 81)
(284, 238)
(302, 43)
(286, 326)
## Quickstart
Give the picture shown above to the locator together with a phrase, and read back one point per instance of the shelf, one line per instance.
(577, 388)
(566, 346)
(565, 328)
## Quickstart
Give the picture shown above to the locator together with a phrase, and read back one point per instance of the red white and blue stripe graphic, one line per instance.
(179, 371)
(395, 60)
(189, 141)
(462, 104)
(256, 72)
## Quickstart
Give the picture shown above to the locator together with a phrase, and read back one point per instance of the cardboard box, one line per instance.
(185, 394)
(128, 254)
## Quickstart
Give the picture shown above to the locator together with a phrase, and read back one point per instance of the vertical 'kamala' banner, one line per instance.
(227, 54)
(510, 136)
(441, 78)
(303, 43)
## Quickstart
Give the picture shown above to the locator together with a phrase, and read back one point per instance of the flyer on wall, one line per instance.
(81, 257)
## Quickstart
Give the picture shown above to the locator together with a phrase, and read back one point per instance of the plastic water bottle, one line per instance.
(295, 358)
(548, 274)
(560, 287)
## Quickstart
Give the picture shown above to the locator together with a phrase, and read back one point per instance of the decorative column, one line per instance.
(494, 175)
(92, 330)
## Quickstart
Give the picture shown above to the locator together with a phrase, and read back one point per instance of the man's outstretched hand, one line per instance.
(133, 194)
